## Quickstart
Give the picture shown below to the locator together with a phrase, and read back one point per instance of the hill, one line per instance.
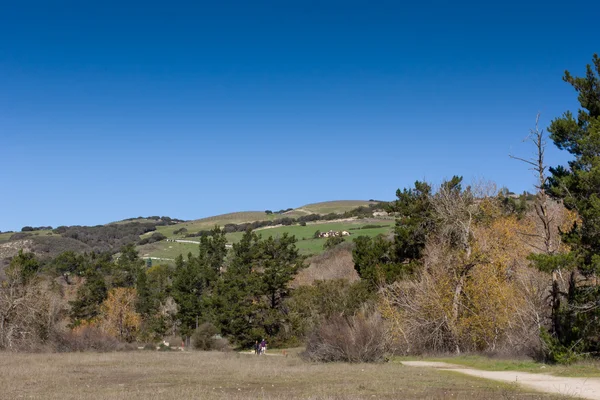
(354, 216)
(180, 238)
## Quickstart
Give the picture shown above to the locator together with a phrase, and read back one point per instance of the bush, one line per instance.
(204, 337)
(360, 338)
(333, 241)
(554, 352)
(89, 338)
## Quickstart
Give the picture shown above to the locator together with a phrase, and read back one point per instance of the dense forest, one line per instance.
(468, 268)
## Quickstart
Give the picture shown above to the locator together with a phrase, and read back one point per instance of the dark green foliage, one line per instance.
(89, 297)
(212, 254)
(107, 238)
(23, 266)
(576, 317)
(180, 231)
(37, 228)
(279, 261)
(512, 205)
(554, 352)
(127, 267)
(188, 288)
(374, 260)
(413, 221)
(332, 242)
(155, 237)
(235, 301)
(146, 306)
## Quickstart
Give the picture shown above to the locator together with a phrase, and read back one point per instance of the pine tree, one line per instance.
(578, 185)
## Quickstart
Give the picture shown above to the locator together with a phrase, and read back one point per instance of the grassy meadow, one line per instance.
(304, 234)
(209, 375)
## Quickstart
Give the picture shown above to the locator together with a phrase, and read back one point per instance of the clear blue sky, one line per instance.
(115, 109)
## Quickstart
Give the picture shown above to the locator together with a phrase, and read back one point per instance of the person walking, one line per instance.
(256, 348)
(263, 346)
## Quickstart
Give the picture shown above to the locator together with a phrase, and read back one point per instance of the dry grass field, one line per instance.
(198, 375)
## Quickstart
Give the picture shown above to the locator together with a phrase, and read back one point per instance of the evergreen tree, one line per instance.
(578, 185)
(235, 301)
(212, 255)
(188, 288)
(145, 304)
(413, 221)
(89, 297)
(127, 267)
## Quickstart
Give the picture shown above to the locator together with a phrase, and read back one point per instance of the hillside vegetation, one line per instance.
(450, 267)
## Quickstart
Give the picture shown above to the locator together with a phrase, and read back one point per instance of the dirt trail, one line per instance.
(585, 388)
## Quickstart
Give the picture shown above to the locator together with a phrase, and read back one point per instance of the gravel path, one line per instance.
(585, 388)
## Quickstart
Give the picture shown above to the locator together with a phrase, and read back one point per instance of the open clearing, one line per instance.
(200, 375)
(586, 388)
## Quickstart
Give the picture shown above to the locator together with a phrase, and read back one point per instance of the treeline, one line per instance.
(360, 212)
(161, 221)
(107, 238)
(243, 294)
(36, 228)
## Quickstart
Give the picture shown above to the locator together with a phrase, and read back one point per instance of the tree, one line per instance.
(68, 263)
(127, 267)
(23, 266)
(279, 260)
(145, 304)
(578, 186)
(212, 254)
(235, 299)
(413, 221)
(118, 317)
(188, 287)
(90, 296)
(374, 260)
(332, 242)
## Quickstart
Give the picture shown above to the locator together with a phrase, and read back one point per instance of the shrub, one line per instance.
(204, 337)
(88, 338)
(332, 242)
(360, 338)
(554, 352)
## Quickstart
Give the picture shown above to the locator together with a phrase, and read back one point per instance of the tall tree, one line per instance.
(578, 185)
(127, 267)
(89, 297)
(413, 221)
(235, 300)
(188, 288)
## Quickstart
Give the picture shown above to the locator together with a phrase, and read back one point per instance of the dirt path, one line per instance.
(585, 388)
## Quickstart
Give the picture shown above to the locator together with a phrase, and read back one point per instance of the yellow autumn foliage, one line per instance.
(118, 317)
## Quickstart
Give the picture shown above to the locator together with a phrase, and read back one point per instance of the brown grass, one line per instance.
(202, 375)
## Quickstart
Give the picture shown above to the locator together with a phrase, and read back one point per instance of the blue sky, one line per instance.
(111, 110)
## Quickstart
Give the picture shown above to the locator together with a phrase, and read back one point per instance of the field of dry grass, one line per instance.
(198, 375)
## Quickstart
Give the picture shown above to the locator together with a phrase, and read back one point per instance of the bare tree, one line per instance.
(548, 235)
(536, 136)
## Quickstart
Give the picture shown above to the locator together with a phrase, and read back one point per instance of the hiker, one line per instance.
(256, 348)
(263, 346)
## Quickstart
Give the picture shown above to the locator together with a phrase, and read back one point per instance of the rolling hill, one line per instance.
(79, 239)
